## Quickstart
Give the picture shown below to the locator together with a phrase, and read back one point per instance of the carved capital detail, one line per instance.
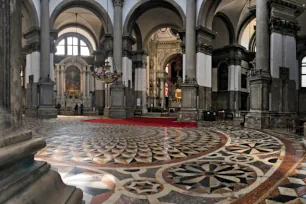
(204, 48)
(127, 46)
(32, 47)
(118, 3)
(284, 27)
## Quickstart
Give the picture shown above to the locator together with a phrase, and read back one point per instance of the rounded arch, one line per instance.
(144, 5)
(73, 61)
(243, 26)
(156, 28)
(91, 5)
(29, 7)
(169, 57)
(138, 37)
(207, 13)
(229, 26)
(80, 36)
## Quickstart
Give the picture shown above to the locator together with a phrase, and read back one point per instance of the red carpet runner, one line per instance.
(139, 121)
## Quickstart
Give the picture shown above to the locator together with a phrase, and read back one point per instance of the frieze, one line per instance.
(299, 8)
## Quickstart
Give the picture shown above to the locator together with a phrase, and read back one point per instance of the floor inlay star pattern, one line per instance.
(211, 177)
(215, 163)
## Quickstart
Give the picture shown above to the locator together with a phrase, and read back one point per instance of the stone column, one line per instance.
(32, 51)
(284, 70)
(189, 110)
(88, 104)
(63, 85)
(204, 68)
(46, 93)
(117, 109)
(58, 79)
(141, 81)
(260, 79)
(21, 174)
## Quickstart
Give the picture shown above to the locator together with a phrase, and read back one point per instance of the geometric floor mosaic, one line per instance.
(214, 163)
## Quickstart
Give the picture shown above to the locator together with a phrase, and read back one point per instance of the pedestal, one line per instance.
(46, 107)
(189, 111)
(259, 115)
(117, 102)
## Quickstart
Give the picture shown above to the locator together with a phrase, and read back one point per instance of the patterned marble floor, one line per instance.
(216, 163)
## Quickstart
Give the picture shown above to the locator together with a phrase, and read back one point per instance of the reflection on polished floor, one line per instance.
(214, 163)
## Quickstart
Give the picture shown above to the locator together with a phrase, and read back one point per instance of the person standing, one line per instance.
(76, 109)
(82, 109)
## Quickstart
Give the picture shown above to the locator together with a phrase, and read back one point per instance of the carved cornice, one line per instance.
(204, 48)
(232, 54)
(204, 40)
(127, 48)
(284, 27)
(118, 3)
(32, 47)
(298, 8)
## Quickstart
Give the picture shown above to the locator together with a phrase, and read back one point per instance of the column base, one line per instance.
(257, 120)
(187, 115)
(279, 120)
(189, 111)
(116, 113)
(46, 112)
(117, 107)
(31, 181)
(31, 111)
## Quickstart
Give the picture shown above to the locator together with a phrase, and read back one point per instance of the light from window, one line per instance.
(84, 49)
(303, 77)
(72, 46)
(61, 48)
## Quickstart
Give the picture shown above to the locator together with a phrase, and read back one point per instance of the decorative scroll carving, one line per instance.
(118, 3)
(127, 46)
(32, 47)
(204, 48)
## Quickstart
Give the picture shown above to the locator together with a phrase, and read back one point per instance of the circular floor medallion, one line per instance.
(210, 177)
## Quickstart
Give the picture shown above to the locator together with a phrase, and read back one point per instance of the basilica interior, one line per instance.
(152, 101)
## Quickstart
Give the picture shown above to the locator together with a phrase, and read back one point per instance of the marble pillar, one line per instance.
(63, 86)
(284, 70)
(260, 78)
(46, 107)
(24, 180)
(141, 82)
(189, 110)
(117, 89)
(32, 51)
(58, 79)
(204, 68)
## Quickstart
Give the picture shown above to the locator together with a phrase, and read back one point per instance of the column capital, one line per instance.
(204, 40)
(118, 3)
(283, 16)
(127, 49)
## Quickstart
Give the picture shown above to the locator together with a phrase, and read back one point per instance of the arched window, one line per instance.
(303, 71)
(72, 46)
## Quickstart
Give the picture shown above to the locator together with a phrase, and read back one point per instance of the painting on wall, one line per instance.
(73, 80)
